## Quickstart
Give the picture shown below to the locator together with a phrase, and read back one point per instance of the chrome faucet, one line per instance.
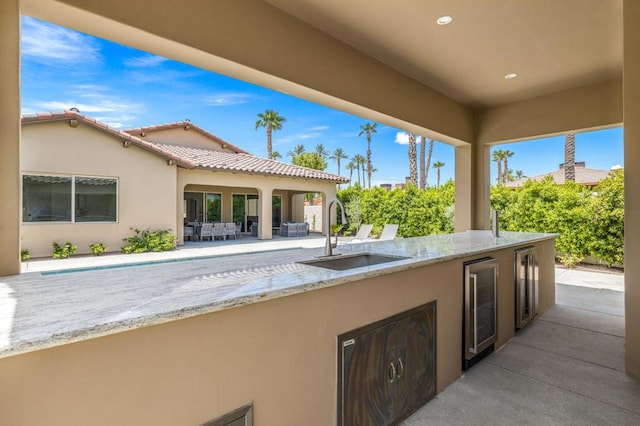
(328, 248)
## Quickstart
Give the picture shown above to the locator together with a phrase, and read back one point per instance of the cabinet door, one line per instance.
(387, 369)
(415, 362)
(366, 379)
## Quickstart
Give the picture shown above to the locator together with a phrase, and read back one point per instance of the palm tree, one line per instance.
(360, 161)
(338, 155)
(426, 172)
(437, 166)
(350, 166)
(321, 151)
(506, 175)
(272, 121)
(570, 157)
(498, 156)
(368, 129)
(276, 155)
(520, 174)
(413, 164)
(297, 150)
(423, 182)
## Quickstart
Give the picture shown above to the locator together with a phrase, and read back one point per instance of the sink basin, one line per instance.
(350, 261)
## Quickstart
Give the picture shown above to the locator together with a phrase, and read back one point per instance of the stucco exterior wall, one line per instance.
(146, 184)
(180, 136)
(281, 355)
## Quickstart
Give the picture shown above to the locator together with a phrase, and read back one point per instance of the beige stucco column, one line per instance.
(265, 213)
(631, 100)
(10, 137)
(472, 177)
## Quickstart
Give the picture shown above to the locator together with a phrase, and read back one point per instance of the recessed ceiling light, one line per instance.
(510, 76)
(444, 20)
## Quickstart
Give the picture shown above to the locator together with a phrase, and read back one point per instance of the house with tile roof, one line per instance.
(86, 182)
(584, 176)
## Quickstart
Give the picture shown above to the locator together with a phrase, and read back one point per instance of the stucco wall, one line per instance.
(281, 355)
(146, 184)
(180, 136)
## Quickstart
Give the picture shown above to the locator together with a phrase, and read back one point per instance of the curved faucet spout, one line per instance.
(328, 248)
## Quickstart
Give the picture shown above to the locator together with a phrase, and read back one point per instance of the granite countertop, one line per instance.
(39, 311)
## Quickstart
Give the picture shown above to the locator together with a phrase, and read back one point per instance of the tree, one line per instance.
(437, 166)
(426, 172)
(351, 165)
(413, 164)
(498, 157)
(337, 156)
(570, 158)
(321, 151)
(519, 174)
(276, 155)
(360, 162)
(423, 182)
(506, 174)
(311, 160)
(272, 121)
(368, 129)
(297, 150)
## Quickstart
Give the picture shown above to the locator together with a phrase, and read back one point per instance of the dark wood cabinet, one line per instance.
(386, 370)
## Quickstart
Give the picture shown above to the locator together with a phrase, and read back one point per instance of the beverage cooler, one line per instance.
(526, 282)
(480, 310)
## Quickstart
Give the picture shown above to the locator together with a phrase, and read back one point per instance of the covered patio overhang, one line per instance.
(288, 191)
(317, 66)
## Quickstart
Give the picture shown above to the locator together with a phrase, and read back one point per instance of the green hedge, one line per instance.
(589, 222)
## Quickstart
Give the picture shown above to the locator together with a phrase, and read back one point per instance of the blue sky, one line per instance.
(126, 87)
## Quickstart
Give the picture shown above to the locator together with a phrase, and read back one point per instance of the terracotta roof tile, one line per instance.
(584, 176)
(244, 163)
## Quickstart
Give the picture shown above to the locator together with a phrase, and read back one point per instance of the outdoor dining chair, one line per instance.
(206, 231)
(189, 233)
(218, 231)
(229, 230)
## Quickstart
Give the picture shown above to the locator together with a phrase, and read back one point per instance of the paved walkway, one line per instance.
(566, 368)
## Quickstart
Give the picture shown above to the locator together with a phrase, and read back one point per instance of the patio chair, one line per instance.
(189, 233)
(388, 232)
(238, 230)
(218, 231)
(361, 235)
(229, 230)
(206, 231)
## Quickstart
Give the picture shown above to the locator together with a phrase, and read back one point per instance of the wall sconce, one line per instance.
(224, 145)
(126, 144)
(143, 134)
(171, 162)
(188, 125)
(73, 122)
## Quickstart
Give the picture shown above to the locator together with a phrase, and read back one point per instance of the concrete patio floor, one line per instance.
(566, 368)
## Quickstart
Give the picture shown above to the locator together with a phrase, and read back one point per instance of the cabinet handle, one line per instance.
(391, 372)
(400, 367)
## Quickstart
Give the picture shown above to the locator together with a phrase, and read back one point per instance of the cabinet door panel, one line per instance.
(366, 379)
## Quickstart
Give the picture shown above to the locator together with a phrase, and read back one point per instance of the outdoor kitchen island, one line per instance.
(185, 342)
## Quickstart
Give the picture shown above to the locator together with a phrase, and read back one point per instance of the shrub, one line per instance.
(25, 255)
(145, 241)
(65, 251)
(98, 248)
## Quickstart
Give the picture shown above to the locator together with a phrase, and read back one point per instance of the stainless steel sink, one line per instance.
(350, 261)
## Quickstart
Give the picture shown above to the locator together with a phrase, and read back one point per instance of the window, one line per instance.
(69, 199)
(214, 207)
(95, 199)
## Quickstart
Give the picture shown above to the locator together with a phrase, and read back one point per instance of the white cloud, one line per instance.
(402, 138)
(50, 43)
(227, 99)
(616, 167)
(320, 128)
(145, 61)
(298, 137)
